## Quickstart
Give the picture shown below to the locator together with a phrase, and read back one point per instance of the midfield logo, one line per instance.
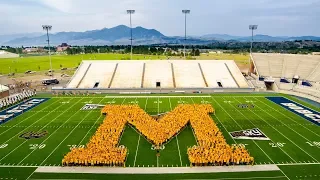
(33, 135)
(92, 106)
(255, 134)
(245, 105)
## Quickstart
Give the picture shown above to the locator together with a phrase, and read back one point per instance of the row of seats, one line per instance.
(15, 98)
(288, 65)
(169, 74)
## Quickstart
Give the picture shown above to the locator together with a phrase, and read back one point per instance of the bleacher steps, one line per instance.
(113, 74)
(173, 78)
(143, 72)
(314, 70)
(84, 75)
(204, 78)
(234, 79)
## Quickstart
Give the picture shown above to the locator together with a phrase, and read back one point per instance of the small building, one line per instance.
(63, 47)
(4, 91)
(34, 50)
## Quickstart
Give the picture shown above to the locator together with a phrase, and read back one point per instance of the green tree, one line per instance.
(197, 52)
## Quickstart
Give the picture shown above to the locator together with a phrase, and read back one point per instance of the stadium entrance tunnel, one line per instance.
(270, 86)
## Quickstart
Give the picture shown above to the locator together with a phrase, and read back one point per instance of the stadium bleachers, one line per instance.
(15, 98)
(156, 71)
(237, 75)
(128, 75)
(287, 65)
(217, 72)
(188, 74)
(79, 74)
(169, 74)
(99, 72)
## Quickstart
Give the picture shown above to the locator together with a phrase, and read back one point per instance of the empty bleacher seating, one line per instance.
(187, 74)
(100, 72)
(116, 74)
(157, 71)
(288, 66)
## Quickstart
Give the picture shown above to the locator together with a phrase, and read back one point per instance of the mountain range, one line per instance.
(120, 35)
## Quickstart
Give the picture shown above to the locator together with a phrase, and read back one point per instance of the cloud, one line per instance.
(285, 17)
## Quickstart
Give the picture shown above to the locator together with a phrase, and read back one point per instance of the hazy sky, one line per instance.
(274, 17)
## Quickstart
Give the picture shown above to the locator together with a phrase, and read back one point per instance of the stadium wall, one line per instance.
(309, 96)
(154, 90)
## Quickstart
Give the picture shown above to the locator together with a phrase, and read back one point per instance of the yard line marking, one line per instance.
(157, 96)
(289, 117)
(91, 127)
(257, 126)
(285, 136)
(158, 104)
(27, 128)
(179, 151)
(176, 137)
(284, 174)
(242, 128)
(135, 157)
(157, 161)
(286, 125)
(51, 133)
(67, 135)
(29, 116)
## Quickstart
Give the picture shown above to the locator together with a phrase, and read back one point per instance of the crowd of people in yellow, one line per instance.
(212, 149)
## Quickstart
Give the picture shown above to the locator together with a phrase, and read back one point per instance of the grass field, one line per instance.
(293, 144)
(20, 65)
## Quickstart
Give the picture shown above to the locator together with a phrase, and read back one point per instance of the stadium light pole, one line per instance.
(185, 12)
(252, 28)
(48, 28)
(131, 11)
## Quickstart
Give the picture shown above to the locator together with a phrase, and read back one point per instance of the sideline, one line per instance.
(156, 170)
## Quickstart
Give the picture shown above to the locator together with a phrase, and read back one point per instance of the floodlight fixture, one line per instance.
(253, 27)
(131, 11)
(185, 12)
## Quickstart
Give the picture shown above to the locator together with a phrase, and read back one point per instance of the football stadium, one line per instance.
(215, 106)
(170, 119)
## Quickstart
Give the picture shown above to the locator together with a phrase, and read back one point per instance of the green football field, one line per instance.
(294, 143)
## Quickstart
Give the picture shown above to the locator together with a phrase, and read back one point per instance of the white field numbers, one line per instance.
(182, 102)
(3, 146)
(205, 102)
(75, 146)
(37, 146)
(278, 144)
(314, 143)
(134, 102)
(240, 145)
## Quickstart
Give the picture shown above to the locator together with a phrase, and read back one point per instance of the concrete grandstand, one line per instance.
(192, 75)
(5, 54)
(289, 73)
